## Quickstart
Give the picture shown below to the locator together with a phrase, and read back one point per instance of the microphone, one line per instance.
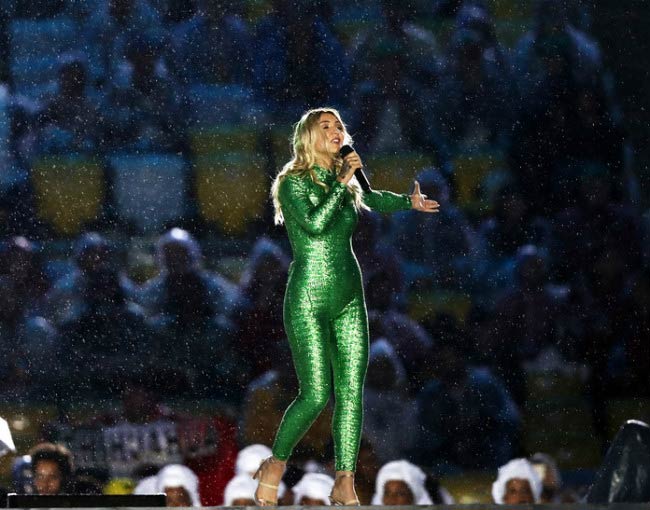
(358, 173)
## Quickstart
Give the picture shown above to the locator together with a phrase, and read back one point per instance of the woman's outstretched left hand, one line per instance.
(420, 202)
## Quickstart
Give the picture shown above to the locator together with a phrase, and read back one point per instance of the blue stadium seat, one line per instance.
(29, 72)
(34, 48)
(149, 190)
(41, 37)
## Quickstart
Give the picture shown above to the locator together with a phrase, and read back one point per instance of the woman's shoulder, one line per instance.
(296, 180)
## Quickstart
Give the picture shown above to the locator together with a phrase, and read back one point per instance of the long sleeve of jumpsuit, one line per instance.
(324, 310)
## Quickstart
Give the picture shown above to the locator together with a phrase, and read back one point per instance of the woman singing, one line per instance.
(324, 309)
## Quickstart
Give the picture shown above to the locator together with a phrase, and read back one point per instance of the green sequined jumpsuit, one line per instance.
(325, 316)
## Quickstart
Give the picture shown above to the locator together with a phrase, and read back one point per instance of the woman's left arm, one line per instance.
(387, 201)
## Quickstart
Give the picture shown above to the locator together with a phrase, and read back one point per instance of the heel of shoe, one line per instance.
(336, 502)
(258, 476)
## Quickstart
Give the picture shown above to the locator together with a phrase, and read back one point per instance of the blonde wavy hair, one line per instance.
(303, 142)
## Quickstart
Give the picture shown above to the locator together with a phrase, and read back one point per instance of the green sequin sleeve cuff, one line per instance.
(387, 201)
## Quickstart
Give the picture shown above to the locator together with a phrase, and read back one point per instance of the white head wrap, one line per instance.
(148, 485)
(314, 486)
(177, 475)
(240, 487)
(404, 471)
(250, 458)
(516, 468)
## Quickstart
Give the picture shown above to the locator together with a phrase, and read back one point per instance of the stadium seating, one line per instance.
(232, 189)
(215, 105)
(395, 172)
(218, 140)
(69, 191)
(470, 171)
(35, 47)
(149, 190)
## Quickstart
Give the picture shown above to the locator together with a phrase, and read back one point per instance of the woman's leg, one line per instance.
(309, 338)
(349, 362)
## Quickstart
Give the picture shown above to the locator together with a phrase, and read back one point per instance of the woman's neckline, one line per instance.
(323, 169)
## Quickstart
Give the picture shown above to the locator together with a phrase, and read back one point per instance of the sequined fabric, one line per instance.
(324, 314)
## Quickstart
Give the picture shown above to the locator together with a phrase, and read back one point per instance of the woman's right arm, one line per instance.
(294, 200)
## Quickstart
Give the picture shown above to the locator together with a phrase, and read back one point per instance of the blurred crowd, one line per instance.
(550, 273)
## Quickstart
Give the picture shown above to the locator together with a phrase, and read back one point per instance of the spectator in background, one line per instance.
(17, 211)
(536, 68)
(249, 458)
(258, 314)
(474, 97)
(184, 292)
(517, 484)
(567, 111)
(290, 43)
(439, 495)
(401, 483)
(240, 491)
(525, 316)
(511, 225)
(390, 418)
(189, 307)
(143, 110)
(395, 67)
(180, 485)
(411, 342)
(421, 240)
(110, 28)
(213, 45)
(457, 403)
(379, 260)
(22, 274)
(52, 469)
(596, 218)
(101, 330)
(70, 121)
(95, 264)
(27, 340)
(546, 467)
(313, 489)
(104, 346)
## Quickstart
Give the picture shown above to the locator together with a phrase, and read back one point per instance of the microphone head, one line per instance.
(345, 150)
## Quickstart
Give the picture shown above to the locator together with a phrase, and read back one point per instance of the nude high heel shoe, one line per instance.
(258, 476)
(337, 502)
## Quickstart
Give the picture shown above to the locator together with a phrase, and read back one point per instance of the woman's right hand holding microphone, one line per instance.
(350, 163)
